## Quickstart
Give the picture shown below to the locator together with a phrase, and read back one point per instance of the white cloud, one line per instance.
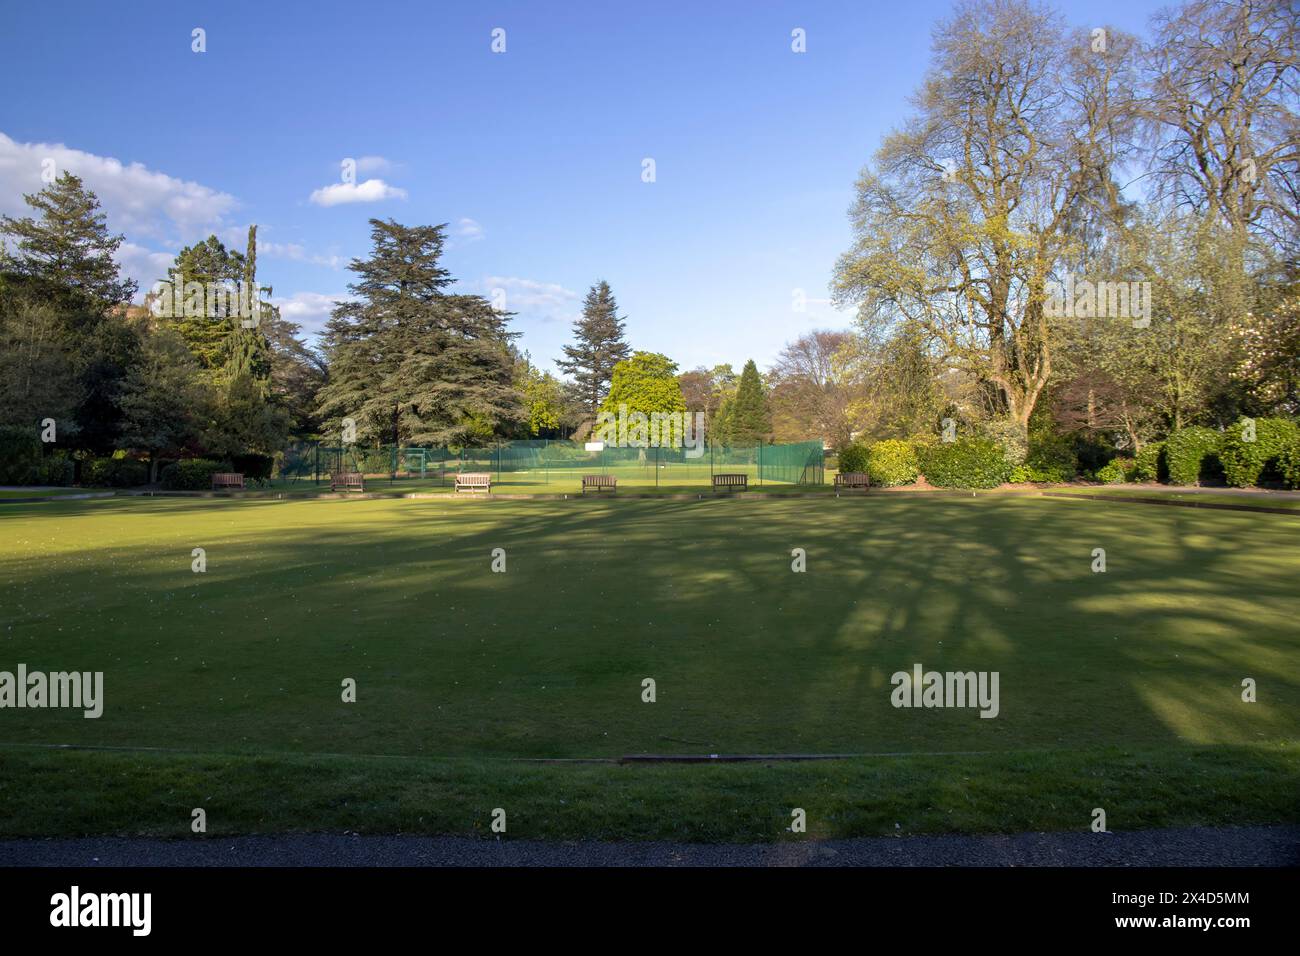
(143, 265)
(137, 200)
(372, 190)
(470, 230)
(547, 301)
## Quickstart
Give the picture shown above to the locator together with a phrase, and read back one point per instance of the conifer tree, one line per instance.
(598, 348)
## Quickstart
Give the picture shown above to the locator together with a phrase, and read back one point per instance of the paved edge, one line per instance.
(1191, 847)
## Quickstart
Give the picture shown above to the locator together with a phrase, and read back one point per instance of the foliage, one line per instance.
(965, 463)
(749, 421)
(1289, 464)
(20, 451)
(1190, 451)
(69, 245)
(1115, 472)
(1251, 446)
(852, 458)
(599, 347)
(892, 462)
(113, 472)
(192, 474)
(410, 362)
(1149, 464)
(253, 467)
(645, 383)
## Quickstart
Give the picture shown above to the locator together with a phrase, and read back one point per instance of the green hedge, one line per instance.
(1244, 461)
(1189, 451)
(193, 474)
(965, 463)
(1289, 464)
(113, 473)
(852, 458)
(892, 462)
(1149, 463)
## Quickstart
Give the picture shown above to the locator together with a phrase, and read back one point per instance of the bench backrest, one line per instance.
(599, 481)
(731, 479)
(853, 478)
(474, 479)
(349, 479)
(221, 479)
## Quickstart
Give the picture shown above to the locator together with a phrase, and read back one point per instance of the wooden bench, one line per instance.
(227, 479)
(348, 481)
(474, 481)
(852, 479)
(730, 482)
(599, 483)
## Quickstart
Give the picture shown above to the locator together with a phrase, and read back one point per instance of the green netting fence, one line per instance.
(557, 465)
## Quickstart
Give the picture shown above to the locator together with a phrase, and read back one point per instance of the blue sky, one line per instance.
(533, 156)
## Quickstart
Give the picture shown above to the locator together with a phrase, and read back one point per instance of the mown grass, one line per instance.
(80, 793)
(1132, 677)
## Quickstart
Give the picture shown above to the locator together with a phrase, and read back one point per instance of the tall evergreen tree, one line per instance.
(69, 245)
(203, 322)
(749, 422)
(598, 348)
(410, 362)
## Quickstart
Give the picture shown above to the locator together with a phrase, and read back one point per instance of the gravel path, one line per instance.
(1196, 846)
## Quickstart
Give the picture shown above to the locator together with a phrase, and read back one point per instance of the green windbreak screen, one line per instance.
(558, 465)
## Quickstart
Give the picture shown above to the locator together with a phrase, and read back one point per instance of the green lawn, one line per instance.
(1122, 686)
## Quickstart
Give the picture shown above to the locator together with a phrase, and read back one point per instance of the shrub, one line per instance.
(1244, 461)
(256, 467)
(853, 458)
(56, 469)
(892, 462)
(113, 473)
(1009, 437)
(1191, 451)
(1149, 463)
(1115, 472)
(1052, 458)
(1038, 474)
(20, 455)
(194, 474)
(965, 463)
(1289, 464)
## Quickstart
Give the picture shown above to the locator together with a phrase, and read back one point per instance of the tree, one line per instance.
(645, 383)
(599, 347)
(164, 401)
(69, 246)
(814, 388)
(205, 322)
(707, 390)
(1268, 349)
(750, 422)
(1223, 80)
(543, 398)
(996, 184)
(36, 374)
(411, 363)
